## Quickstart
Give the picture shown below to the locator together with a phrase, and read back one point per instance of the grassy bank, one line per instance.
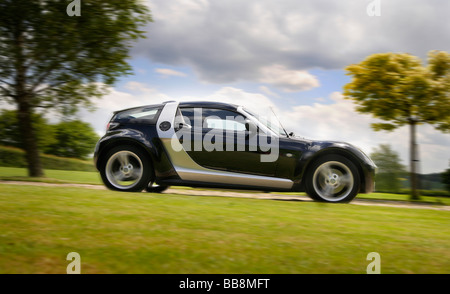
(149, 233)
(51, 176)
(14, 157)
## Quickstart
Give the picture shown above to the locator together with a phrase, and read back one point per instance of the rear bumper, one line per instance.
(369, 180)
(96, 154)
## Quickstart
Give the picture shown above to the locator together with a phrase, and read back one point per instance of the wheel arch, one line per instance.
(336, 151)
(107, 145)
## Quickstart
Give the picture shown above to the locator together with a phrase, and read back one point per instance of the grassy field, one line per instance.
(149, 233)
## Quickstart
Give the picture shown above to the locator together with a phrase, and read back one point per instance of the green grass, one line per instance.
(162, 233)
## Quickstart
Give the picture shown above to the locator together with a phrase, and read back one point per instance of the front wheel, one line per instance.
(332, 178)
(126, 168)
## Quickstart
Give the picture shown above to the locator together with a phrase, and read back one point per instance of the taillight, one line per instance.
(111, 125)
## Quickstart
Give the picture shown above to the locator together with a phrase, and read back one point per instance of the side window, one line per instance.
(224, 124)
(218, 119)
(144, 114)
(188, 115)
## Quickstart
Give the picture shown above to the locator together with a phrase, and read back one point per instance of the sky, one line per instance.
(286, 54)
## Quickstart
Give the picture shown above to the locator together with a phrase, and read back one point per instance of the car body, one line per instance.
(220, 145)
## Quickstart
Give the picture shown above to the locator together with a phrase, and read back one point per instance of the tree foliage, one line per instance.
(72, 138)
(51, 60)
(390, 169)
(399, 89)
(10, 134)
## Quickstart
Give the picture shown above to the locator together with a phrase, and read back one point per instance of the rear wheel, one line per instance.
(126, 168)
(333, 178)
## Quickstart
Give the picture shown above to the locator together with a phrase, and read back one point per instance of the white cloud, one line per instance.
(288, 80)
(255, 101)
(234, 40)
(269, 92)
(138, 87)
(166, 72)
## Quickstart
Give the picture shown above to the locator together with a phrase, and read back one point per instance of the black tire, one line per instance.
(126, 168)
(332, 178)
(153, 188)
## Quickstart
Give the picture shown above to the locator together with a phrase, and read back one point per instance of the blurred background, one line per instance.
(372, 73)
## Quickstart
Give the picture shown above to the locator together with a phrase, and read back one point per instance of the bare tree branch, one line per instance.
(49, 87)
(5, 82)
(7, 92)
(42, 78)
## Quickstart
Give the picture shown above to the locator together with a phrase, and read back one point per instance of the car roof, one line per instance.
(209, 104)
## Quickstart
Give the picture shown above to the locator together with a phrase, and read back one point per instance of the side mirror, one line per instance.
(184, 126)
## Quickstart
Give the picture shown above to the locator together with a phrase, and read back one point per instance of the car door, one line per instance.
(219, 139)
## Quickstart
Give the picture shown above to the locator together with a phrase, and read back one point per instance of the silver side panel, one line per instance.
(189, 170)
(167, 114)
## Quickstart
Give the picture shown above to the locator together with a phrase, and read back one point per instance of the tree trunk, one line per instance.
(29, 139)
(413, 161)
(24, 111)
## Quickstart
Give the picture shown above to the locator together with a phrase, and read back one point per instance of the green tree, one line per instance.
(73, 139)
(52, 60)
(10, 135)
(446, 179)
(390, 168)
(399, 89)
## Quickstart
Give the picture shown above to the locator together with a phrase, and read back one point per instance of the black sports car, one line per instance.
(209, 144)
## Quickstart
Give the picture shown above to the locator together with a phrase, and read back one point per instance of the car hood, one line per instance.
(317, 145)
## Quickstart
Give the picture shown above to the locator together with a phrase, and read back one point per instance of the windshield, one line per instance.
(271, 123)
